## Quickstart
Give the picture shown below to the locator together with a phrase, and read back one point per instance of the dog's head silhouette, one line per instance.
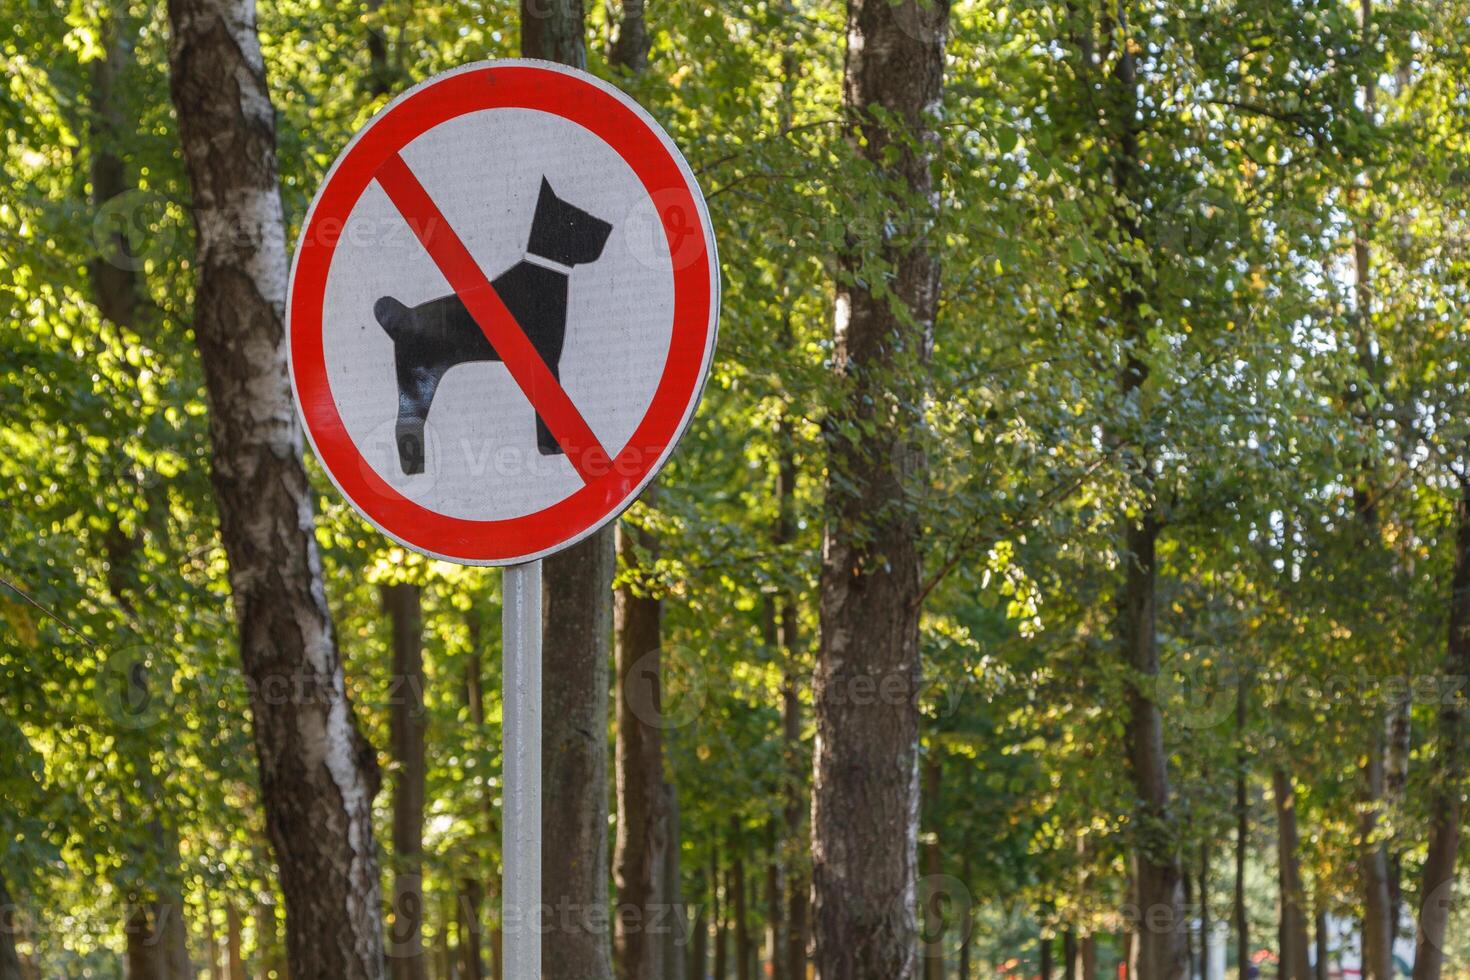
(432, 337)
(563, 232)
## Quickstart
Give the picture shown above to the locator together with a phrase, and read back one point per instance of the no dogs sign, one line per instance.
(502, 311)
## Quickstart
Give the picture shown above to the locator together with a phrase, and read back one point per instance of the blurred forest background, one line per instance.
(1067, 573)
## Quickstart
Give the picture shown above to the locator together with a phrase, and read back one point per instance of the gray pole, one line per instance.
(521, 752)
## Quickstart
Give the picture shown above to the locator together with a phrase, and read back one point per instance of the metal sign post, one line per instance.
(521, 748)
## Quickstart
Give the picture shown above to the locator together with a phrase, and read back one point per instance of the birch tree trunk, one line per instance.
(318, 775)
(865, 806)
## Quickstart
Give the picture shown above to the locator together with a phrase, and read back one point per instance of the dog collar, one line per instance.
(546, 263)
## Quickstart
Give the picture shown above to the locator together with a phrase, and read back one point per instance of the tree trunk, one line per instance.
(865, 777)
(775, 951)
(318, 775)
(235, 955)
(1157, 954)
(744, 950)
(645, 822)
(403, 604)
(474, 890)
(717, 918)
(554, 30)
(144, 946)
(116, 288)
(1242, 833)
(1377, 921)
(211, 941)
(577, 624)
(1189, 945)
(380, 75)
(1378, 926)
(1446, 809)
(1206, 921)
(9, 929)
(676, 938)
(471, 937)
(275, 964)
(577, 618)
(1045, 958)
(1069, 958)
(1295, 964)
(113, 275)
(642, 820)
(698, 965)
(1323, 952)
(629, 50)
(933, 939)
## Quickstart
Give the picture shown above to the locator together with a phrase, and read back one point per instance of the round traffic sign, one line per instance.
(502, 311)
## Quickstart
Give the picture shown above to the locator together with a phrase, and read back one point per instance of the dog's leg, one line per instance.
(545, 441)
(416, 387)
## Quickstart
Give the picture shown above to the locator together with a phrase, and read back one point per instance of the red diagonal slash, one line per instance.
(474, 290)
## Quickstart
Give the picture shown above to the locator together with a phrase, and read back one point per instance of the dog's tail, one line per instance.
(391, 316)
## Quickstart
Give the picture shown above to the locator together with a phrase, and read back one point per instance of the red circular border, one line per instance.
(587, 104)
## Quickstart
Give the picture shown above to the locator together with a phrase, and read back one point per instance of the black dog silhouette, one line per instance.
(433, 337)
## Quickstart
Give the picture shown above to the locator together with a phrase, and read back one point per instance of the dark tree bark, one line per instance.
(379, 80)
(629, 50)
(577, 611)
(698, 961)
(117, 289)
(577, 623)
(642, 817)
(933, 937)
(1156, 953)
(775, 958)
(1046, 953)
(717, 914)
(473, 889)
(143, 944)
(318, 775)
(1206, 919)
(647, 814)
(114, 277)
(1292, 941)
(865, 776)
(554, 30)
(10, 967)
(744, 949)
(1086, 966)
(1437, 886)
(1242, 832)
(674, 940)
(403, 604)
(1378, 925)
(235, 955)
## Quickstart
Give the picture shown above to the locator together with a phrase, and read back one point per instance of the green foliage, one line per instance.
(1276, 408)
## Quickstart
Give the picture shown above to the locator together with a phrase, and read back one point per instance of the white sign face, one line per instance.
(502, 311)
